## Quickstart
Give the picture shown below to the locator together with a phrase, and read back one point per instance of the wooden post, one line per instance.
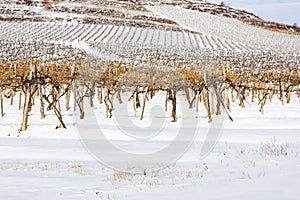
(1, 105)
(27, 103)
(137, 100)
(12, 98)
(144, 104)
(208, 106)
(68, 94)
(119, 97)
(42, 108)
(288, 96)
(212, 102)
(218, 112)
(57, 95)
(197, 102)
(133, 102)
(91, 101)
(166, 101)
(81, 107)
(188, 98)
(232, 96)
(74, 98)
(91, 97)
(26, 108)
(240, 96)
(100, 99)
(174, 107)
(253, 95)
(227, 98)
(108, 103)
(20, 100)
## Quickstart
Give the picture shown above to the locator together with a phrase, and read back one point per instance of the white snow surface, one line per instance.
(44, 163)
(74, 33)
(48, 163)
(229, 29)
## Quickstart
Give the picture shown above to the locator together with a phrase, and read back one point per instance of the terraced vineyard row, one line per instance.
(230, 30)
(91, 34)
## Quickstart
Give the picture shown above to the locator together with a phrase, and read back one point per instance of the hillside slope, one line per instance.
(106, 28)
(118, 12)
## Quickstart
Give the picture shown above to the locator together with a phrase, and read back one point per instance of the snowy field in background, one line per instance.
(44, 163)
(229, 29)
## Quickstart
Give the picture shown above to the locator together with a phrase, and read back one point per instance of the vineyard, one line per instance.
(251, 37)
(161, 99)
(68, 33)
(214, 82)
(45, 63)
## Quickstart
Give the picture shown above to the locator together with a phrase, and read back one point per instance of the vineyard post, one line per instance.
(144, 104)
(100, 99)
(28, 100)
(12, 98)
(74, 98)
(212, 101)
(119, 97)
(188, 98)
(20, 100)
(174, 106)
(137, 100)
(241, 96)
(166, 101)
(218, 112)
(57, 104)
(108, 102)
(227, 91)
(197, 102)
(288, 95)
(208, 106)
(81, 107)
(68, 94)
(26, 107)
(253, 92)
(91, 96)
(42, 107)
(1, 105)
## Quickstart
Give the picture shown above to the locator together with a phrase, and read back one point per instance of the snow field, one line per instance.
(73, 32)
(44, 163)
(230, 30)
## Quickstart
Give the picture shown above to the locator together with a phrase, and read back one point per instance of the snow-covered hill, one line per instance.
(254, 157)
(91, 25)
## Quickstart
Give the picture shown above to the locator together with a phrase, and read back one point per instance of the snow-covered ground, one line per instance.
(69, 32)
(229, 29)
(256, 157)
(44, 163)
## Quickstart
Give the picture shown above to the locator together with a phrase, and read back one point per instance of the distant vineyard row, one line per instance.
(90, 34)
(231, 29)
